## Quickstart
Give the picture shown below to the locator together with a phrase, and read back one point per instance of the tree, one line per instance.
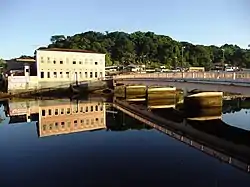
(3, 64)
(148, 47)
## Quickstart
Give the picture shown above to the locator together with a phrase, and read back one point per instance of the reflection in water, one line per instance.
(229, 144)
(127, 153)
(237, 113)
(55, 117)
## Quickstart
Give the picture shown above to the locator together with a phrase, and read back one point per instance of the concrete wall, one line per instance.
(22, 83)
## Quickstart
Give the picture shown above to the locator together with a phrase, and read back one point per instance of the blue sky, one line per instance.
(28, 24)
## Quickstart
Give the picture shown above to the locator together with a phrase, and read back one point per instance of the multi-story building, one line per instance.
(57, 67)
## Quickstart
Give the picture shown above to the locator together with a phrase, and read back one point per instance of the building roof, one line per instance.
(68, 50)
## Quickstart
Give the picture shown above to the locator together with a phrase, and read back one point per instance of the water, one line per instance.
(43, 145)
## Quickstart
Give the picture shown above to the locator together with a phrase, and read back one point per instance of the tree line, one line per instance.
(153, 50)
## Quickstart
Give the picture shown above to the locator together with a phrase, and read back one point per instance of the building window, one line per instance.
(96, 63)
(81, 109)
(101, 108)
(82, 121)
(61, 74)
(87, 109)
(62, 124)
(91, 108)
(54, 62)
(42, 60)
(80, 74)
(100, 74)
(86, 74)
(42, 74)
(92, 121)
(96, 108)
(96, 119)
(49, 112)
(44, 127)
(95, 74)
(74, 62)
(67, 74)
(56, 112)
(48, 74)
(27, 70)
(101, 120)
(62, 111)
(43, 113)
(50, 127)
(87, 121)
(80, 62)
(91, 74)
(55, 75)
(68, 110)
(56, 125)
(75, 123)
(61, 62)
(86, 61)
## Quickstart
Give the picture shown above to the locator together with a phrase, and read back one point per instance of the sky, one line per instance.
(26, 25)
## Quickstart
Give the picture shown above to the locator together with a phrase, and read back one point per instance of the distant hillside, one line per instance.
(152, 49)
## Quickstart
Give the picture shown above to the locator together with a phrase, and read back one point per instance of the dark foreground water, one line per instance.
(62, 143)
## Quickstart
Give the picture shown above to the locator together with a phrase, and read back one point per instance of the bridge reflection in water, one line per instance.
(213, 137)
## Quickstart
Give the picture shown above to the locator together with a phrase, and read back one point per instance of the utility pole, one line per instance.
(223, 58)
(182, 51)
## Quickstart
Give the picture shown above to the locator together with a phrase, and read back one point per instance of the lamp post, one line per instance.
(182, 51)
(175, 62)
(223, 56)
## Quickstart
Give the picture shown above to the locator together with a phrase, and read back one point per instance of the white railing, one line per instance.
(222, 76)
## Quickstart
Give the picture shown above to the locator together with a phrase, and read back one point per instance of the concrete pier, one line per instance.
(203, 100)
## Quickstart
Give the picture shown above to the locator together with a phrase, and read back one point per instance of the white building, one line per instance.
(64, 66)
(58, 68)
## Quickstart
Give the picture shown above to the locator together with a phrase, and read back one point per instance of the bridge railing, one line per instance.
(223, 76)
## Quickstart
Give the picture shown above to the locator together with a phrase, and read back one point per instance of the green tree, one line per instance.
(3, 64)
(151, 49)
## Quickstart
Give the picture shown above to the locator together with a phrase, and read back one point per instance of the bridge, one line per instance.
(234, 151)
(233, 82)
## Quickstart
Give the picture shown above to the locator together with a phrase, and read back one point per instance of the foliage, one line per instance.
(149, 48)
(3, 64)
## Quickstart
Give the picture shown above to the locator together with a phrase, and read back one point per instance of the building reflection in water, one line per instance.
(56, 117)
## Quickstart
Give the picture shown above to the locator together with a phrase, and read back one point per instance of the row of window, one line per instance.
(63, 111)
(67, 61)
(67, 74)
(76, 123)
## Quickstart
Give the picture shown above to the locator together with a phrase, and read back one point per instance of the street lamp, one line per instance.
(223, 55)
(175, 63)
(223, 59)
(182, 51)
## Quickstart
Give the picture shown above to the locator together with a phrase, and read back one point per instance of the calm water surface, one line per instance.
(85, 143)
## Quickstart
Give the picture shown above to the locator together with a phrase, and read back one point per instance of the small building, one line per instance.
(196, 69)
(18, 65)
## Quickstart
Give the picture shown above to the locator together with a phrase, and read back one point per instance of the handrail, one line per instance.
(223, 76)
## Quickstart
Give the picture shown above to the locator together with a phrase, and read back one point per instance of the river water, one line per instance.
(90, 143)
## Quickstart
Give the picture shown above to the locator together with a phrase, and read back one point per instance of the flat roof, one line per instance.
(69, 50)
